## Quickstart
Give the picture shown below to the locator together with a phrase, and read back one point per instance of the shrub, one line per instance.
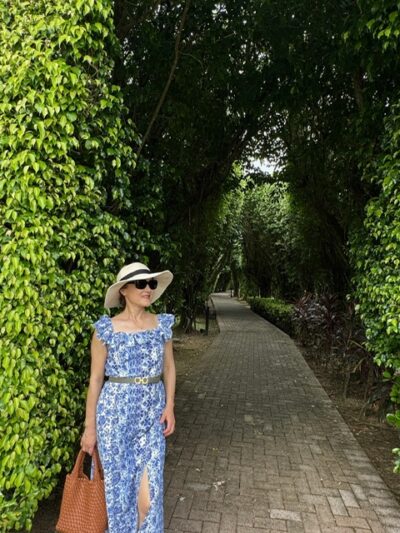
(376, 260)
(331, 330)
(275, 311)
(316, 319)
(64, 154)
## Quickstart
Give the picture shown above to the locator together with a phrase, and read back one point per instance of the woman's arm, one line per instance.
(169, 381)
(98, 361)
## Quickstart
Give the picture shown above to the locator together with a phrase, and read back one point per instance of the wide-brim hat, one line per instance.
(132, 272)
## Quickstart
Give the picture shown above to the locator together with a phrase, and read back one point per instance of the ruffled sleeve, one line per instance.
(167, 321)
(103, 329)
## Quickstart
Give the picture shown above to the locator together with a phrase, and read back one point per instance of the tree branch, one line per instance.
(126, 18)
(169, 81)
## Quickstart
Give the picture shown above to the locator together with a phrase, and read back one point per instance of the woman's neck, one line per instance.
(133, 312)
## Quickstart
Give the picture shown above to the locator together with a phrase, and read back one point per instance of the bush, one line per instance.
(330, 329)
(64, 154)
(375, 256)
(275, 311)
(316, 319)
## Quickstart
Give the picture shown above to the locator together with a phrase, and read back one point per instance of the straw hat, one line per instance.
(133, 272)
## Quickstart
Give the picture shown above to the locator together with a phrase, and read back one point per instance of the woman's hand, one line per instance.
(88, 440)
(169, 418)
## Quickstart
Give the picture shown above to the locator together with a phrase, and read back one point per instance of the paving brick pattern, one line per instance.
(259, 446)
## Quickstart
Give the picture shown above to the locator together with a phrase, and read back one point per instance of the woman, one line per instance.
(130, 414)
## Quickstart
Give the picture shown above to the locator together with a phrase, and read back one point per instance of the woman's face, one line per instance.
(137, 296)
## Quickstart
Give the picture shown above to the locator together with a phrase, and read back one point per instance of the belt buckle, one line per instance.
(141, 381)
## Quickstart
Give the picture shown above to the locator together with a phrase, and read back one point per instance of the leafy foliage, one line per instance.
(278, 259)
(333, 333)
(224, 244)
(276, 311)
(65, 159)
(376, 245)
(212, 110)
(376, 256)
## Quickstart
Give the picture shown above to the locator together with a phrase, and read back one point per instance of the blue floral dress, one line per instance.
(129, 434)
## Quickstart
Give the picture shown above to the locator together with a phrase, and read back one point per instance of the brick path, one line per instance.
(260, 447)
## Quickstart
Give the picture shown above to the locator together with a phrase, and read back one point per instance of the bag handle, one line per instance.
(77, 471)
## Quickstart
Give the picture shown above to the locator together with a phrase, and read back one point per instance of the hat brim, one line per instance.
(164, 278)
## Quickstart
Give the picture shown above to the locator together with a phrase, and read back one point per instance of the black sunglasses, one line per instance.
(142, 283)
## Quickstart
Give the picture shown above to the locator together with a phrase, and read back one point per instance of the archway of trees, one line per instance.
(128, 131)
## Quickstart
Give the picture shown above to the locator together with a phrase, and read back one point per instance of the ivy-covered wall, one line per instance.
(376, 247)
(376, 257)
(65, 159)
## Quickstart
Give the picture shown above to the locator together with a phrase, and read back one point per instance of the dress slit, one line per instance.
(141, 480)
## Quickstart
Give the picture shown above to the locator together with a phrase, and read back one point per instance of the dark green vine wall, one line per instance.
(376, 257)
(64, 167)
(375, 246)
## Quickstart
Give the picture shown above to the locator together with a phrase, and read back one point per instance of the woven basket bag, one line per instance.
(83, 504)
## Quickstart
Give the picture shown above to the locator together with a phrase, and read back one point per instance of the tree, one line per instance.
(191, 148)
(275, 260)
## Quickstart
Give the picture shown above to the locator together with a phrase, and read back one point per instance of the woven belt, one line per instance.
(136, 380)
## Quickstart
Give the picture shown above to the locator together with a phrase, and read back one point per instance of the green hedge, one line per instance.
(376, 261)
(64, 152)
(275, 311)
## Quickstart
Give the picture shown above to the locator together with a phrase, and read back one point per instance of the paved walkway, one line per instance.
(260, 447)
